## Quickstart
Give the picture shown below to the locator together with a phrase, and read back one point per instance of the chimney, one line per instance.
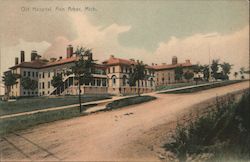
(69, 51)
(174, 60)
(60, 57)
(132, 59)
(188, 61)
(22, 56)
(34, 55)
(38, 57)
(16, 60)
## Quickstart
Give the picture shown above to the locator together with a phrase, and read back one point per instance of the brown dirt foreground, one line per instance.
(134, 133)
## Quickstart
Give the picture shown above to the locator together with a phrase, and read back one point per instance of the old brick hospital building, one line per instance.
(110, 76)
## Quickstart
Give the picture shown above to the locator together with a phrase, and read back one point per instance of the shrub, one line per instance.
(129, 101)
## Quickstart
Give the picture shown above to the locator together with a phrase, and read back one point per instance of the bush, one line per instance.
(222, 132)
(129, 101)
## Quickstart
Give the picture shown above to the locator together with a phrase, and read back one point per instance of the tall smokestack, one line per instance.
(22, 56)
(69, 51)
(16, 60)
(174, 60)
(33, 55)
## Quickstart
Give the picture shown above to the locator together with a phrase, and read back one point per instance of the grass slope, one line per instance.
(223, 134)
(205, 87)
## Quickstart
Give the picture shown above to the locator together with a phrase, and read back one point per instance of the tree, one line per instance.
(82, 69)
(226, 67)
(242, 71)
(137, 75)
(205, 71)
(188, 75)
(178, 73)
(235, 75)
(29, 84)
(197, 71)
(215, 68)
(57, 81)
(9, 80)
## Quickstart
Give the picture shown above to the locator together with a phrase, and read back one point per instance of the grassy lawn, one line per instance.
(26, 121)
(177, 85)
(129, 101)
(223, 133)
(37, 103)
(196, 89)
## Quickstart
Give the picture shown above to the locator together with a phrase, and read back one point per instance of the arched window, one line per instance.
(124, 80)
(113, 78)
(151, 82)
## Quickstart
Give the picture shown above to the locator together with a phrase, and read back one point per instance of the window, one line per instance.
(49, 74)
(93, 82)
(36, 74)
(43, 92)
(151, 82)
(113, 80)
(48, 92)
(48, 84)
(28, 73)
(104, 82)
(39, 75)
(108, 70)
(24, 73)
(98, 82)
(113, 69)
(33, 74)
(40, 85)
(121, 69)
(43, 74)
(126, 70)
(43, 85)
(124, 79)
(24, 92)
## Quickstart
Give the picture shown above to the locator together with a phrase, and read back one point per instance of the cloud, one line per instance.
(103, 40)
(232, 48)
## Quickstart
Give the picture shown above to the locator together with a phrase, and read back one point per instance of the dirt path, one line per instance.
(105, 135)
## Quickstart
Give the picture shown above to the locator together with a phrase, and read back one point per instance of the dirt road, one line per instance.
(111, 136)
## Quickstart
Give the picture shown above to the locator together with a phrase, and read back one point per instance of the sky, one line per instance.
(152, 31)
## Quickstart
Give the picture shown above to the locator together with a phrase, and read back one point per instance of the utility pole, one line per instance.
(209, 55)
(209, 66)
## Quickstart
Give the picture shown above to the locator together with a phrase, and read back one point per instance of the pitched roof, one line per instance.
(60, 62)
(38, 64)
(32, 64)
(171, 66)
(118, 61)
